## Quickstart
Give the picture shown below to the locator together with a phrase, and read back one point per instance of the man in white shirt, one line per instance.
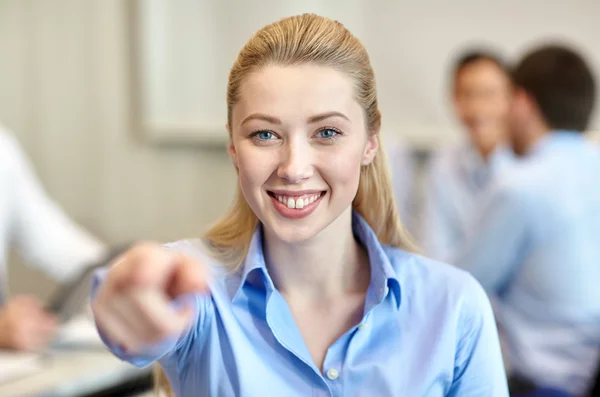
(44, 236)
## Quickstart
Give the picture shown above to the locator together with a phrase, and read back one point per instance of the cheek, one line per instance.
(501, 108)
(343, 169)
(254, 171)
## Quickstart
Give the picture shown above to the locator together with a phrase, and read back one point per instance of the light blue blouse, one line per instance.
(427, 330)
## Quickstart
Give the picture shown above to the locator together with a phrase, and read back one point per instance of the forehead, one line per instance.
(481, 72)
(297, 92)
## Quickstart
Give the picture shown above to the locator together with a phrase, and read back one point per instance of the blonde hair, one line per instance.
(309, 38)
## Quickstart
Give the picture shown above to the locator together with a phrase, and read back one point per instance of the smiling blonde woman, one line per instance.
(308, 286)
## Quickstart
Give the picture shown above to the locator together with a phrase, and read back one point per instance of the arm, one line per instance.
(479, 370)
(152, 304)
(42, 232)
(498, 238)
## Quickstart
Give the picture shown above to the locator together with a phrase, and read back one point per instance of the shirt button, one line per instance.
(332, 374)
(362, 326)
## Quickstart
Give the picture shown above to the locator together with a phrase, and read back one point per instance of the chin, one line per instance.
(292, 234)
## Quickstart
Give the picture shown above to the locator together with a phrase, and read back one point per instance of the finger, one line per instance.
(115, 330)
(189, 277)
(159, 313)
(129, 314)
(145, 266)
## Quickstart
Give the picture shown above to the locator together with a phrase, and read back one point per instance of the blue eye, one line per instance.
(264, 135)
(327, 133)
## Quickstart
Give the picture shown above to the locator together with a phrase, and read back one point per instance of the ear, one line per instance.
(525, 100)
(370, 149)
(231, 148)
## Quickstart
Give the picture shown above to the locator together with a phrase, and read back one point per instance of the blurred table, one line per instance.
(76, 365)
(74, 373)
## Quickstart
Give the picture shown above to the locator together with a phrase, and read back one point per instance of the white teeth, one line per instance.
(297, 202)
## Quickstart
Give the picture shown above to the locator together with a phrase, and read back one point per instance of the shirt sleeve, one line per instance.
(498, 238)
(479, 369)
(172, 350)
(43, 234)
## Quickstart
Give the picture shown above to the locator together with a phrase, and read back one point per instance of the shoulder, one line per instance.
(517, 184)
(452, 293)
(9, 146)
(13, 164)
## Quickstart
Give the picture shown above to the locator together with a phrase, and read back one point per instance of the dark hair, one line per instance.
(562, 85)
(470, 57)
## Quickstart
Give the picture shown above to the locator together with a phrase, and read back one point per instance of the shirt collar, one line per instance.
(254, 274)
(478, 170)
(554, 138)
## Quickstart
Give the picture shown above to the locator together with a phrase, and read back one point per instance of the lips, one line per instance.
(296, 204)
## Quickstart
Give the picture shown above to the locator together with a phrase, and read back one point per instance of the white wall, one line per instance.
(412, 44)
(67, 90)
(190, 45)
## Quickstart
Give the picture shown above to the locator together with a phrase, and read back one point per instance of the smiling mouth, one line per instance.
(297, 202)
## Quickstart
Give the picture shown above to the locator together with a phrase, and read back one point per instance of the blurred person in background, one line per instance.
(535, 246)
(403, 167)
(457, 175)
(44, 237)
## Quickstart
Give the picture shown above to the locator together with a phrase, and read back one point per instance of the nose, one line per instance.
(296, 162)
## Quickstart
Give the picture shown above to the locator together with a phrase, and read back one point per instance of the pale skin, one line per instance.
(295, 129)
(25, 325)
(482, 101)
(527, 123)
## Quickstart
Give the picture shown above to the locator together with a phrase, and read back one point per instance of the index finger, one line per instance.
(145, 265)
(189, 276)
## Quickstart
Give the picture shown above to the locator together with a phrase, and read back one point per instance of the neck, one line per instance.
(329, 265)
(485, 151)
(535, 133)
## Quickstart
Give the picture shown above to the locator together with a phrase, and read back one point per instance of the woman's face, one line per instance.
(299, 139)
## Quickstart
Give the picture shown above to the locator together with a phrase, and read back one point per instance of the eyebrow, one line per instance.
(324, 116)
(312, 119)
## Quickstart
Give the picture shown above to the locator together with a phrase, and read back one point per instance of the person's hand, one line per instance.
(133, 306)
(24, 325)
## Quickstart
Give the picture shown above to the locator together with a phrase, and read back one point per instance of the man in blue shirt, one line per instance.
(536, 245)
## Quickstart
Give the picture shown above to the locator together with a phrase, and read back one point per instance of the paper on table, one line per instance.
(79, 331)
(14, 365)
